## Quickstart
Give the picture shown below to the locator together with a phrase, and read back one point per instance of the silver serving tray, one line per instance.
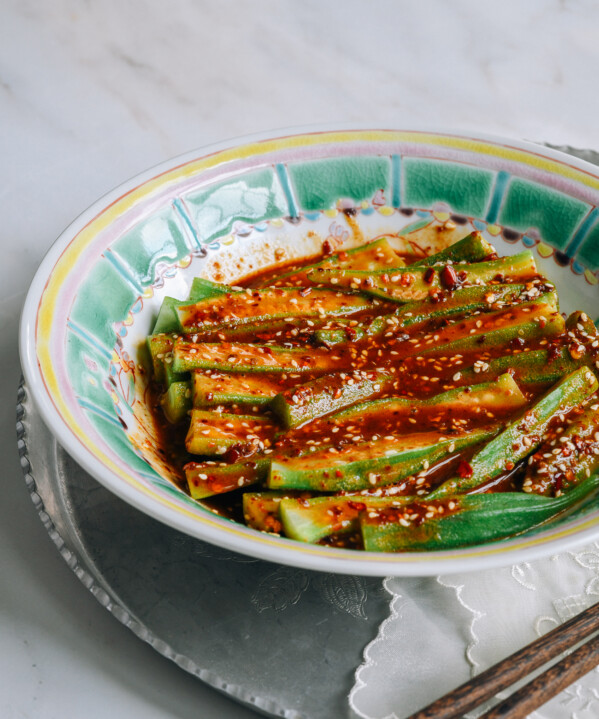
(283, 641)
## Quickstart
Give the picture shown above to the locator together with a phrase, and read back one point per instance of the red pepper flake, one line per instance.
(356, 506)
(509, 465)
(465, 469)
(429, 275)
(449, 278)
(235, 453)
(406, 280)
(327, 247)
(338, 473)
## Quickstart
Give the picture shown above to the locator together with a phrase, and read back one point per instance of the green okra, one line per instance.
(160, 342)
(176, 401)
(240, 357)
(500, 396)
(207, 479)
(374, 255)
(269, 304)
(408, 284)
(534, 319)
(449, 305)
(310, 520)
(472, 248)
(168, 319)
(522, 435)
(477, 332)
(212, 433)
(261, 509)
(367, 464)
(534, 367)
(304, 402)
(465, 520)
(288, 329)
(160, 347)
(568, 457)
(221, 388)
(500, 337)
(581, 322)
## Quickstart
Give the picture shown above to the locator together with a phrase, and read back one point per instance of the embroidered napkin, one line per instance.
(442, 630)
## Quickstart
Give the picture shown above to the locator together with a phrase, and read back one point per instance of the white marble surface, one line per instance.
(92, 93)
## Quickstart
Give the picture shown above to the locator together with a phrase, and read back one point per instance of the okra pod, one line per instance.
(374, 255)
(212, 433)
(209, 479)
(540, 323)
(534, 367)
(472, 248)
(310, 520)
(304, 402)
(261, 509)
(269, 304)
(176, 401)
(581, 322)
(523, 435)
(565, 458)
(416, 283)
(222, 388)
(160, 347)
(368, 464)
(286, 330)
(238, 357)
(168, 319)
(445, 306)
(501, 397)
(465, 520)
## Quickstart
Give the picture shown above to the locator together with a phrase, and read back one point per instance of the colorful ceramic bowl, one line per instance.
(228, 210)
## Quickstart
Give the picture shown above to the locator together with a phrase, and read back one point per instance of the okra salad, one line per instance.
(375, 402)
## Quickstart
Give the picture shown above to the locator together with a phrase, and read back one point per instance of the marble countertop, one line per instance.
(93, 93)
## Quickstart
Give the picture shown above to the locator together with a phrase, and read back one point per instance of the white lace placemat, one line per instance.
(443, 630)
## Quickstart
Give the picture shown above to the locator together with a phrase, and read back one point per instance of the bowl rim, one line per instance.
(245, 540)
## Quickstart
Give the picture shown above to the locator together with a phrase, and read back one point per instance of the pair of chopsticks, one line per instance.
(537, 692)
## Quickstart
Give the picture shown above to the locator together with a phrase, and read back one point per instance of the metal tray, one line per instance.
(256, 631)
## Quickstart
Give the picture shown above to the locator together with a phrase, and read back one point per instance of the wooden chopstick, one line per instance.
(518, 666)
(540, 690)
